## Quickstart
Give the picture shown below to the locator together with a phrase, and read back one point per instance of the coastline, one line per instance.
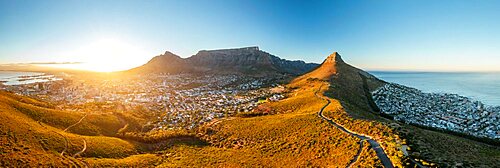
(480, 86)
(444, 112)
(9, 78)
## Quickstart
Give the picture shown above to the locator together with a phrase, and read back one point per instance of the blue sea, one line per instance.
(484, 87)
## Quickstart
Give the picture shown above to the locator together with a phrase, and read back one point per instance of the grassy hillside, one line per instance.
(449, 150)
(29, 142)
(349, 88)
(287, 133)
(295, 136)
(141, 160)
(292, 135)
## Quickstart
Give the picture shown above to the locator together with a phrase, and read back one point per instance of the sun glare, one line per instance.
(107, 55)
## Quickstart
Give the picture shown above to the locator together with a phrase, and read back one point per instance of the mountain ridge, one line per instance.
(246, 60)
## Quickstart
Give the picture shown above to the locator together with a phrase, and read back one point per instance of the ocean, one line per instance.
(484, 87)
(19, 78)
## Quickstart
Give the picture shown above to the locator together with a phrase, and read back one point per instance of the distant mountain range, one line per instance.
(248, 60)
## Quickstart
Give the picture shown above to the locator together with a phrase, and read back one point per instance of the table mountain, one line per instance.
(249, 60)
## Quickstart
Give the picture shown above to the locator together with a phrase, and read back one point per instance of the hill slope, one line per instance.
(351, 87)
(248, 60)
(293, 134)
(281, 138)
(33, 134)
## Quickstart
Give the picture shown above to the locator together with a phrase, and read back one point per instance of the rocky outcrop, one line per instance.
(249, 60)
(333, 58)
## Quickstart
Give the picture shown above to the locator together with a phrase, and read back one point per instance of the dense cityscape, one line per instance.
(180, 101)
(443, 111)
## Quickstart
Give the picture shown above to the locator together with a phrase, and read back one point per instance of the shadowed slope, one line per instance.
(165, 63)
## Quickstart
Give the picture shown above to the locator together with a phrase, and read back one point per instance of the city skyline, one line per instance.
(373, 35)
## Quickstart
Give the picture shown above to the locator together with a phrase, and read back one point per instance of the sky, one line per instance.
(421, 35)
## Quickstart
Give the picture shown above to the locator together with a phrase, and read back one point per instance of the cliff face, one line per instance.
(235, 60)
(249, 60)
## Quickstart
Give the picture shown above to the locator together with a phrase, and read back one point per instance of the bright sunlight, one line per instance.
(107, 55)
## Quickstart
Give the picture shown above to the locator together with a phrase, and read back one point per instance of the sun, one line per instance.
(108, 55)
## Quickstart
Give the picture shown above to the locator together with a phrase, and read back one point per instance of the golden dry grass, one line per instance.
(141, 160)
(295, 137)
(324, 72)
(343, 85)
(27, 142)
(292, 136)
(367, 158)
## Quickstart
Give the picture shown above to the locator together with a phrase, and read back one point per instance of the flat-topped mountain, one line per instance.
(249, 60)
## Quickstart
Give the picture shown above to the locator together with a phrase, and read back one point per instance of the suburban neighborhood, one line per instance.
(443, 111)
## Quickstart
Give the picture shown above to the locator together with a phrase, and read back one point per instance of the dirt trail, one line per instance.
(83, 150)
(66, 143)
(360, 150)
(81, 119)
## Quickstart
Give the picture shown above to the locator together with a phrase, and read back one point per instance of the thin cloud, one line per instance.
(44, 63)
(52, 63)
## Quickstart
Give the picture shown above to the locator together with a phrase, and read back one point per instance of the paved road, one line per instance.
(374, 144)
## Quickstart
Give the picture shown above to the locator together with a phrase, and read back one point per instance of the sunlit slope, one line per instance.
(292, 135)
(90, 125)
(349, 90)
(295, 137)
(323, 72)
(344, 85)
(28, 141)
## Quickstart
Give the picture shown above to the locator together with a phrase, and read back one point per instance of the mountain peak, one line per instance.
(168, 53)
(327, 69)
(333, 58)
(167, 56)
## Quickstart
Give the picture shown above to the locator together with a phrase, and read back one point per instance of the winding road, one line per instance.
(374, 144)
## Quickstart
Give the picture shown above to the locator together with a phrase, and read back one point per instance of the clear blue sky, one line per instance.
(399, 35)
